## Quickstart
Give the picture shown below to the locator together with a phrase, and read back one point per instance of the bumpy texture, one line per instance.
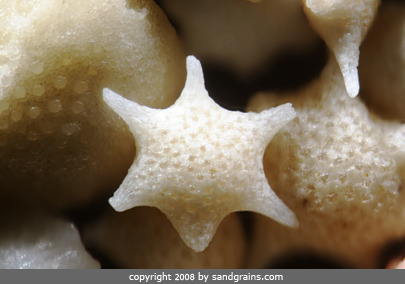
(239, 34)
(343, 25)
(339, 170)
(198, 162)
(39, 242)
(144, 238)
(59, 144)
(382, 63)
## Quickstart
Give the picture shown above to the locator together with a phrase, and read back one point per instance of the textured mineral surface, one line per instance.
(60, 146)
(340, 170)
(343, 25)
(198, 162)
(41, 242)
(91, 97)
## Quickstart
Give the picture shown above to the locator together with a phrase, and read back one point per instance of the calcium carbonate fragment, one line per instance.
(198, 162)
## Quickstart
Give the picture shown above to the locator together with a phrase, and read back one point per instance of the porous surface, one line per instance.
(343, 25)
(382, 63)
(41, 242)
(198, 162)
(59, 144)
(339, 170)
(144, 238)
(239, 34)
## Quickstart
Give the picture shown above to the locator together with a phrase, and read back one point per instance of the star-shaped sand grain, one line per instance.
(198, 162)
(343, 24)
(344, 176)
